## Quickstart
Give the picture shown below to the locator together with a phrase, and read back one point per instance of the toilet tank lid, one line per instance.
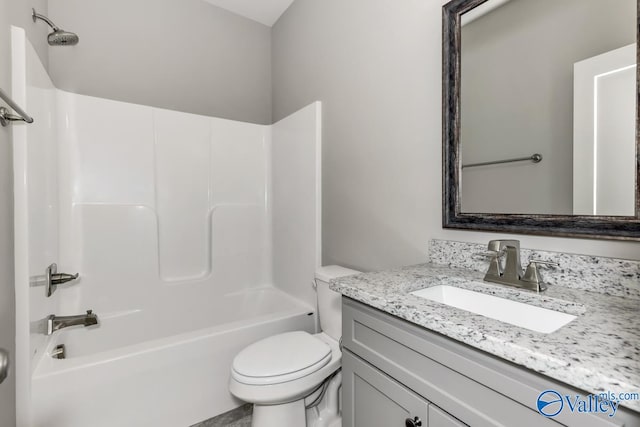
(329, 272)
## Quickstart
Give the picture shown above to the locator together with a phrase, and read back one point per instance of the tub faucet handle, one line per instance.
(53, 279)
(60, 278)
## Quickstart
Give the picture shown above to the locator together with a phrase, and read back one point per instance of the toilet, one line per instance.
(293, 379)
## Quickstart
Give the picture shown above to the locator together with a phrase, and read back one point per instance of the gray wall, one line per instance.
(376, 66)
(11, 13)
(183, 55)
(20, 16)
(517, 97)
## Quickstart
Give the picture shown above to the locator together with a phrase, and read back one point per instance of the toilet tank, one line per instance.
(329, 302)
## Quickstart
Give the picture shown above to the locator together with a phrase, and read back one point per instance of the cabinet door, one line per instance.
(439, 418)
(372, 399)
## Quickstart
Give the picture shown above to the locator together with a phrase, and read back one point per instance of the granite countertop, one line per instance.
(597, 352)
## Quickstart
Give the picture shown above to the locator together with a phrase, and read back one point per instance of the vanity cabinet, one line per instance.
(394, 371)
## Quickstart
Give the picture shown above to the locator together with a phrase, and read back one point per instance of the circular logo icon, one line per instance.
(550, 403)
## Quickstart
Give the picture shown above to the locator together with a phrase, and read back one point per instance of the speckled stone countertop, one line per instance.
(597, 352)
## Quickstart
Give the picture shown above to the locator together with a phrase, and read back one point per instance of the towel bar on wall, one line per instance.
(7, 117)
(535, 158)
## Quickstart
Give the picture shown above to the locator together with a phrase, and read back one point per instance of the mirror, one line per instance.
(540, 117)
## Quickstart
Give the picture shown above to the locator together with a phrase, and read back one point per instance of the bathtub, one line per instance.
(163, 367)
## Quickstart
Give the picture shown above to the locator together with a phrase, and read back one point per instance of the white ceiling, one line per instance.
(266, 12)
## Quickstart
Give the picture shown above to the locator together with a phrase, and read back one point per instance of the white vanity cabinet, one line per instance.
(395, 371)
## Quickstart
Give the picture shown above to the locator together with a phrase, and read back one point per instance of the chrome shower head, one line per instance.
(62, 38)
(59, 37)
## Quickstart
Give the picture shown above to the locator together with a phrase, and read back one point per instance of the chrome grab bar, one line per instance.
(535, 158)
(5, 115)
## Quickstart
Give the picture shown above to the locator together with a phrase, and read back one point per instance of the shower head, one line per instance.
(59, 37)
(62, 38)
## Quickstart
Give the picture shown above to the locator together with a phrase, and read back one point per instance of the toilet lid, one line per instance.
(280, 358)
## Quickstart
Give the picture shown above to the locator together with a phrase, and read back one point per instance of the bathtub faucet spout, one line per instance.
(58, 322)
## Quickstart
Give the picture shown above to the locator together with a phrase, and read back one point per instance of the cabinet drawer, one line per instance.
(477, 388)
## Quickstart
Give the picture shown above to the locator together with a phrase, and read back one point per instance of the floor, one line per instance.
(239, 417)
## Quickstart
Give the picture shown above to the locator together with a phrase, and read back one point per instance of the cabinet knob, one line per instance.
(416, 422)
(4, 364)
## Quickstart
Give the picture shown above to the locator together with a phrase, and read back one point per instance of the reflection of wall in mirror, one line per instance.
(517, 98)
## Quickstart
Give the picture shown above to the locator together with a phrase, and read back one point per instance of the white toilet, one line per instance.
(293, 379)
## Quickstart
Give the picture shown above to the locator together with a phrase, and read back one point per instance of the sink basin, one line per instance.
(516, 313)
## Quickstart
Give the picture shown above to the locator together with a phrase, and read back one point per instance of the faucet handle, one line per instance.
(532, 275)
(494, 254)
(53, 278)
(544, 263)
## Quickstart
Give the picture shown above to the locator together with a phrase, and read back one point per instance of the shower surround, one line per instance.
(193, 236)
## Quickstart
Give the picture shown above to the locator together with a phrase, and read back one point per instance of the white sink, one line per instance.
(516, 313)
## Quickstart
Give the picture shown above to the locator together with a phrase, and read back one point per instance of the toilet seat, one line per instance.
(280, 358)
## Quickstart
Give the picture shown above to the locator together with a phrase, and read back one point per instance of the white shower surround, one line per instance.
(170, 219)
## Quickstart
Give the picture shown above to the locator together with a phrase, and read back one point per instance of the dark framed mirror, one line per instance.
(540, 117)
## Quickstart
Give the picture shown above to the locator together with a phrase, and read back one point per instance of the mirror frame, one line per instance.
(596, 227)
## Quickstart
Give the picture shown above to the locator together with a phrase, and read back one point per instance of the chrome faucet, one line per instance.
(55, 323)
(511, 273)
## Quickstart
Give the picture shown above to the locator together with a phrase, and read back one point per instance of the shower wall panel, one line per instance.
(183, 192)
(297, 214)
(35, 169)
(158, 199)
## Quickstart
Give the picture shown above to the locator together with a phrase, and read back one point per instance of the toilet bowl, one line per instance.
(293, 379)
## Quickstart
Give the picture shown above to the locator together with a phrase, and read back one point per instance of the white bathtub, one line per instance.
(168, 367)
